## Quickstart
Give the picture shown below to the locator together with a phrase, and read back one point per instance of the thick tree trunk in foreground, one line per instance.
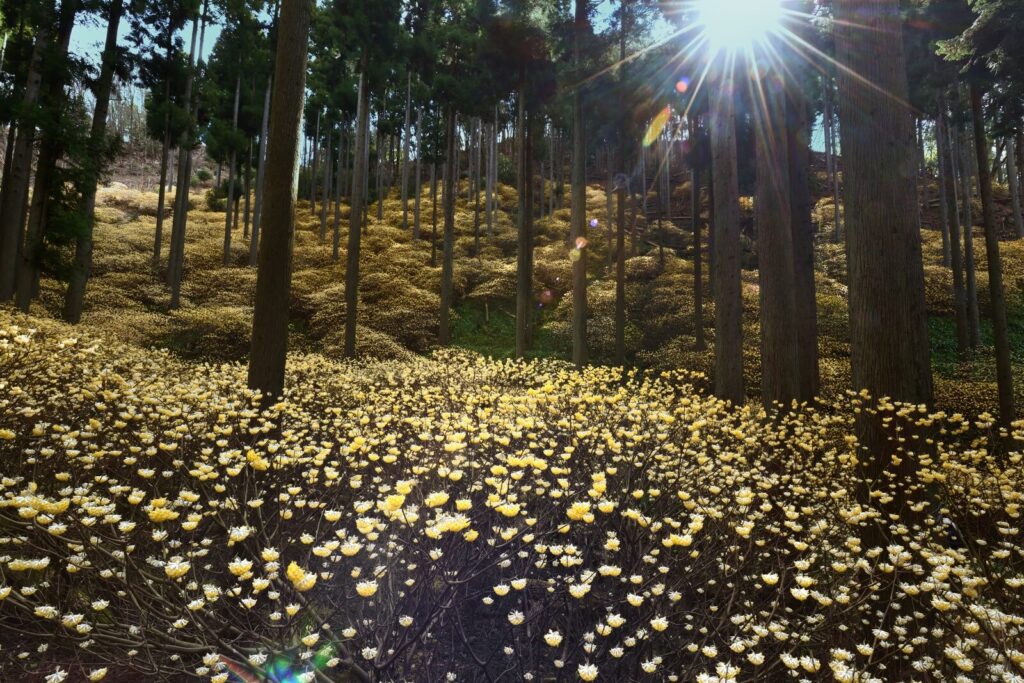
(1004, 371)
(447, 262)
(727, 250)
(75, 296)
(780, 373)
(890, 353)
(51, 148)
(16, 182)
(355, 223)
(273, 282)
(806, 321)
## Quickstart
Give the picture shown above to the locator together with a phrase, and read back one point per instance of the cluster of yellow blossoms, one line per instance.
(461, 519)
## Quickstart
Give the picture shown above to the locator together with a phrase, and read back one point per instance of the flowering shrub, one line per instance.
(461, 519)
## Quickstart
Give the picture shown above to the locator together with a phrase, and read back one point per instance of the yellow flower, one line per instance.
(301, 580)
(366, 589)
(176, 569)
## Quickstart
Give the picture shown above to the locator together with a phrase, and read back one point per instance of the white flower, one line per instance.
(369, 653)
(553, 638)
(587, 672)
(515, 617)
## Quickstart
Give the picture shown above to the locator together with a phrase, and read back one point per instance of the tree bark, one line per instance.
(1014, 186)
(447, 263)
(433, 215)
(325, 193)
(890, 355)
(806, 320)
(314, 166)
(273, 281)
(780, 372)
(176, 260)
(165, 154)
(953, 220)
(51, 148)
(358, 208)
(524, 256)
(973, 312)
(339, 166)
(419, 176)
(406, 131)
(1000, 332)
(727, 250)
(231, 178)
(12, 211)
(75, 297)
(696, 219)
(261, 166)
(578, 216)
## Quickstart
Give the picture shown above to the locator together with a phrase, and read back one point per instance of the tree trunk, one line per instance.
(524, 256)
(727, 249)
(780, 372)
(578, 217)
(890, 355)
(953, 217)
(475, 183)
(176, 261)
(16, 184)
(973, 313)
(698, 244)
(1014, 186)
(273, 281)
(622, 183)
(806, 319)
(261, 167)
(325, 194)
(609, 193)
(51, 148)
(1004, 370)
(228, 212)
(339, 165)
(314, 166)
(358, 208)
(75, 296)
(165, 155)
(246, 190)
(433, 215)
(406, 131)
(419, 176)
(447, 263)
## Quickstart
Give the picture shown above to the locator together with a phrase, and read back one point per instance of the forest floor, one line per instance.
(740, 538)
(399, 288)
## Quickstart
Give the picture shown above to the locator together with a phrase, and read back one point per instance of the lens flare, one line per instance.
(738, 24)
(682, 85)
(657, 126)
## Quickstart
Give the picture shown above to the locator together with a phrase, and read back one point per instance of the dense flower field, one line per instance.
(454, 518)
